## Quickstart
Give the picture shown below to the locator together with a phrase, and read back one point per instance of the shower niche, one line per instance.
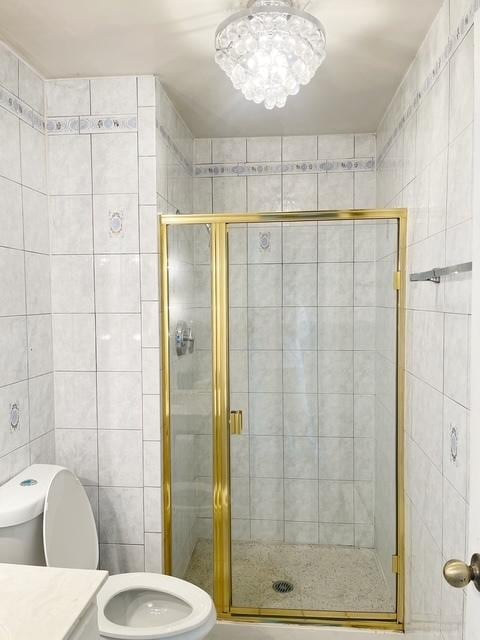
(283, 427)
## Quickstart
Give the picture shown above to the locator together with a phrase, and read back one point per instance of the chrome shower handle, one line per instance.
(184, 339)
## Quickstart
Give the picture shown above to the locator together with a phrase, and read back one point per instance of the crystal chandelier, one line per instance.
(269, 49)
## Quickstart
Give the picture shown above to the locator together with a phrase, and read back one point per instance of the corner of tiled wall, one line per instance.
(107, 142)
(425, 162)
(94, 203)
(26, 366)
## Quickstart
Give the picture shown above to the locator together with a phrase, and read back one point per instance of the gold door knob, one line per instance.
(458, 574)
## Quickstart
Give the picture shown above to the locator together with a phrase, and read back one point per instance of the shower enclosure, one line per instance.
(283, 377)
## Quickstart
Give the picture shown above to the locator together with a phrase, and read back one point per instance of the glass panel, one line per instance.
(191, 402)
(313, 368)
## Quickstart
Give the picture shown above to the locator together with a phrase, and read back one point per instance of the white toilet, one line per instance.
(46, 519)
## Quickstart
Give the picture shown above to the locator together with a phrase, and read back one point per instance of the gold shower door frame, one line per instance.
(221, 414)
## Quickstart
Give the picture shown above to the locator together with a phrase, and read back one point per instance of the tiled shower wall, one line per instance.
(113, 146)
(425, 163)
(26, 365)
(303, 471)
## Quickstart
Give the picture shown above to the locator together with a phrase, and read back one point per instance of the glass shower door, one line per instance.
(188, 414)
(313, 361)
(283, 352)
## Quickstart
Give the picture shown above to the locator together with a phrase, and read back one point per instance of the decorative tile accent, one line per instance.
(453, 444)
(339, 166)
(63, 125)
(91, 124)
(14, 416)
(21, 109)
(449, 49)
(264, 241)
(38, 121)
(272, 168)
(107, 124)
(116, 222)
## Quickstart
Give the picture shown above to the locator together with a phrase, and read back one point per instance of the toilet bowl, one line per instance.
(147, 605)
(134, 606)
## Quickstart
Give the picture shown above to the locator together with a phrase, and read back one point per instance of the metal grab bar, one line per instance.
(434, 275)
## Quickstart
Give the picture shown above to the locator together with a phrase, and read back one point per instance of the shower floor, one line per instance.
(325, 578)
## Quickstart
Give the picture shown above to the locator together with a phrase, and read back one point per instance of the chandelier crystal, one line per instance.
(269, 50)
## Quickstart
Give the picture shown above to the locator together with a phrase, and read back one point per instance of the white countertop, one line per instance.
(44, 603)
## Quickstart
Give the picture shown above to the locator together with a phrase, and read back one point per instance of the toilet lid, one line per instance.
(69, 532)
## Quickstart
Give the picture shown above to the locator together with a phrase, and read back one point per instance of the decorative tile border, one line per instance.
(108, 124)
(275, 168)
(63, 125)
(91, 124)
(38, 121)
(449, 49)
(11, 103)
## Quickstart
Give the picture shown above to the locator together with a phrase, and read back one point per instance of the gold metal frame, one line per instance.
(221, 414)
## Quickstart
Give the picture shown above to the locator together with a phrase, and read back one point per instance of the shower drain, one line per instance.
(282, 586)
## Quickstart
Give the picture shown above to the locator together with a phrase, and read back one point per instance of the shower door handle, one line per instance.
(458, 574)
(236, 422)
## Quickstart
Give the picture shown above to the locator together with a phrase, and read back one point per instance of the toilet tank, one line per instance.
(22, 501)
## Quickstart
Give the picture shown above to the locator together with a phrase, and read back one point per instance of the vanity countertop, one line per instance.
(44, 603)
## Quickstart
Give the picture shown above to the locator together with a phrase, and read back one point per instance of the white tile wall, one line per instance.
(426, 165)
(10, 153)
(113, 95)
(102, 217)
(296, 421)
(103, 236)
(69, 165)
(26, 364)
(68, 97)
(9, 70)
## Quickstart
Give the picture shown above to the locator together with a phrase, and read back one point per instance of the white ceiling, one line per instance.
(370, 44)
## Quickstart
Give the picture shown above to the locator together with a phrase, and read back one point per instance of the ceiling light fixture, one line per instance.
(269, 49)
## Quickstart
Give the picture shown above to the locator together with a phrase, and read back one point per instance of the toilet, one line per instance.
(46, 519)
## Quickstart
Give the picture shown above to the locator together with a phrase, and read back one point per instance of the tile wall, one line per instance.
(304, 471)
(303, 358)
(26, 363)
(112, 150)
(287, 173)
(425, 163)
